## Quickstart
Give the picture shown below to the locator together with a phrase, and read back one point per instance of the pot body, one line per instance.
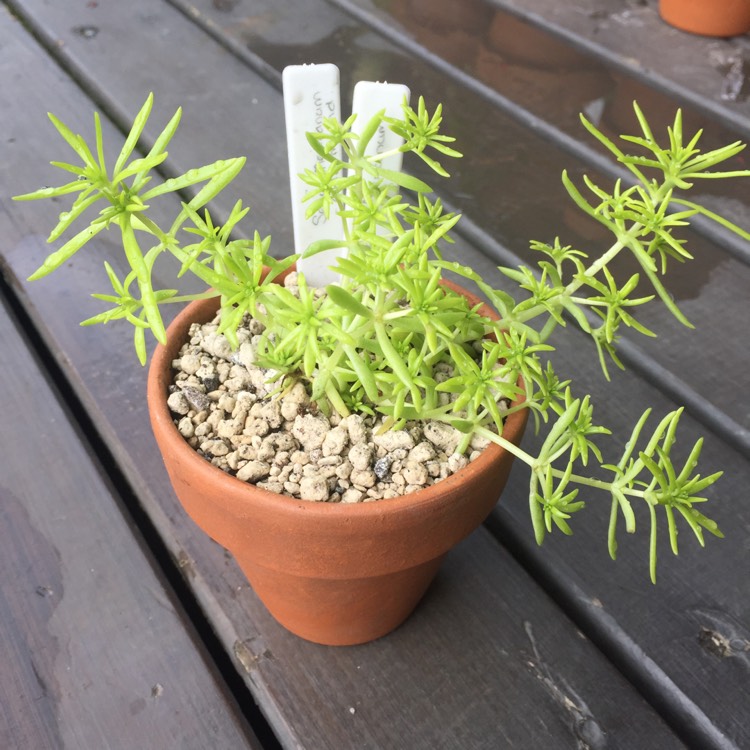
(708, 17)
(332, 573)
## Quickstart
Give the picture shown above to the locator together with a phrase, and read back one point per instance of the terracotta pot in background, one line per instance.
(708, 17)
(331, 573)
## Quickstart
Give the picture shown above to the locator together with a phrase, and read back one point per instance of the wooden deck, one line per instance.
(123, 626)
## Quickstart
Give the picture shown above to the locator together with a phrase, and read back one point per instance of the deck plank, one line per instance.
(635, 38)
(94, 647)
(629, 37)
(462, 672)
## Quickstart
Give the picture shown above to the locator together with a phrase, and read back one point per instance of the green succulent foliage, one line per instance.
(390, 338)
(124, 195)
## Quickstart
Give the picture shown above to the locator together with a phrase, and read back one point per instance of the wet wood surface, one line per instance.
(514, 646)
(94, 646)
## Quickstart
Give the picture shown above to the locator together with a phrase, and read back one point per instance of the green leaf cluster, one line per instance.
(391, 337)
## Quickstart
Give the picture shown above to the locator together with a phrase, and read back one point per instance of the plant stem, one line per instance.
(533, 462)
(384, 155)
(578, 282)
(505, 443)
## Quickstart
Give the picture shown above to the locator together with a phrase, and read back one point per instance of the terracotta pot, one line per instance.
(707, 17)
(331, 573)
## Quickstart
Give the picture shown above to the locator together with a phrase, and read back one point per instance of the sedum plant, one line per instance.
(390, 338)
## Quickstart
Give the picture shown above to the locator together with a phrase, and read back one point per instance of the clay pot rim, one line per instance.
(159, 377)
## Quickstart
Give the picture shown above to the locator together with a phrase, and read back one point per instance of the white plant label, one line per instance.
(369, 99)
(311, 93)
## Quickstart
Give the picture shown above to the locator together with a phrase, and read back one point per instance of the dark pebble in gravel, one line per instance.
(211, 384)
(199, 401)
(382, 467)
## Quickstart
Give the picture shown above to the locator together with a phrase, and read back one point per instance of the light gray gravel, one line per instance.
(224, 409)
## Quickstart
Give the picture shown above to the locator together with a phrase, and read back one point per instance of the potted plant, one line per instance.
(707, 17)
(393, 385)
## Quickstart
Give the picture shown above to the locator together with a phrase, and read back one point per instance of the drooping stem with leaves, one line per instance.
(390, 338)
